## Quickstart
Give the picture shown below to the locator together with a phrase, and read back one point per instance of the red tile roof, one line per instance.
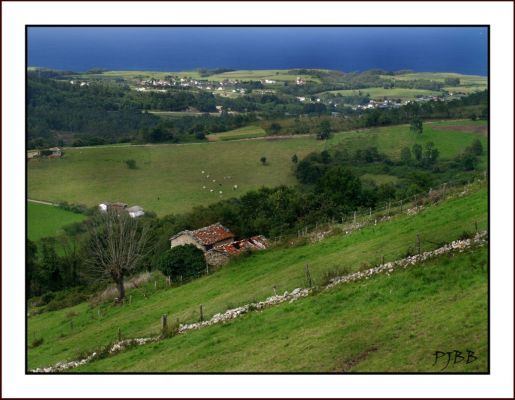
(235, 248)
(212, 234)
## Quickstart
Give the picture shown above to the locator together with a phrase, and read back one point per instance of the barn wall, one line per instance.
(216, 258)
(185, 239)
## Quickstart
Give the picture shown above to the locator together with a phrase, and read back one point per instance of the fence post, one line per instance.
(275, 291)
(418, 243)
(354, 218)
(308, 277)
(382, 260)
(370, 212)
(169, 281)
(155, 284)
(201, 314)
(164, 323)
(475, 223)
(119, 335)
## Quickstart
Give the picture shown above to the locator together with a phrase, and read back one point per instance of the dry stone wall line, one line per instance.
(456, 246)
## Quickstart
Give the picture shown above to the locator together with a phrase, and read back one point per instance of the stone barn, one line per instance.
(204, 238)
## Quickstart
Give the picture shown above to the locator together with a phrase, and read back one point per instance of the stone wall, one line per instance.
(216, 258)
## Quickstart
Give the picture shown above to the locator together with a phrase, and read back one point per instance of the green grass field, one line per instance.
(388, 324)
(169, 178)
(251, 279)
(379, 93)
(46, 221)
(273, 74)
(246, 132)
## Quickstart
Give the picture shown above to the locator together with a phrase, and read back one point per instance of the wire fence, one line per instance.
(363, 217)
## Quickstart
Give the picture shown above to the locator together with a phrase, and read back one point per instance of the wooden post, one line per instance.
(370, 212)
(382, 260)
(201, 314)
(119, 334)
(444, 187)
(354, 217)
(418, 243)
(169, 279)
(275, 291)
(164, 323)
(308, 277)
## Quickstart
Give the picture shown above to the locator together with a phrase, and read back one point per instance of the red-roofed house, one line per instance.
(204, 238)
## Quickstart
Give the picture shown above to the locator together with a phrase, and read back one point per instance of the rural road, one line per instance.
(42, 202)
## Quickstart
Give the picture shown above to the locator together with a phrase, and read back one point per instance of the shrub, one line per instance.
(36, 342)
(466, 235)
(131, 164)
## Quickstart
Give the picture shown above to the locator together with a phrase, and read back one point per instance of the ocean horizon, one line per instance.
(347, 49)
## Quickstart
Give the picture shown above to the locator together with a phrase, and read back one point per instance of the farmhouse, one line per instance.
(33, 154)
(56, 152)
(134, 211)
(204, 238)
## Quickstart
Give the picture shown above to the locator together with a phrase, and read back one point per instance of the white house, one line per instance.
(135, 211)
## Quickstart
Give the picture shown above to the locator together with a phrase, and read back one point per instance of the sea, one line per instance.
(348, 49)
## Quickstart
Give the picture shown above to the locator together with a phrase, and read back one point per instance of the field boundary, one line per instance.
(480, 239)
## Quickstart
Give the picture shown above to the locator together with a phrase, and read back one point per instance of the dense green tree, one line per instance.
(417, 152)
(182, 261)
(477, 147)
(416, 125)
(406, 155)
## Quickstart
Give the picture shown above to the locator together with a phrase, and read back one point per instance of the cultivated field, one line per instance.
(46, 221)
(169, 177)
(379, 93)
(379, 312)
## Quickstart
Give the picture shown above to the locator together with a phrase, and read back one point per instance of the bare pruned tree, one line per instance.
(118, 244)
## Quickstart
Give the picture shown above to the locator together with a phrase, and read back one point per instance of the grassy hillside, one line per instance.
(250, 279)
(246, 132)
(169, 178)
(46, 221)
(246, 75)
(387, 324)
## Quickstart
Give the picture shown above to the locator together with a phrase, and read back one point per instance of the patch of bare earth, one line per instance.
(483, 130)
(350, 363)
